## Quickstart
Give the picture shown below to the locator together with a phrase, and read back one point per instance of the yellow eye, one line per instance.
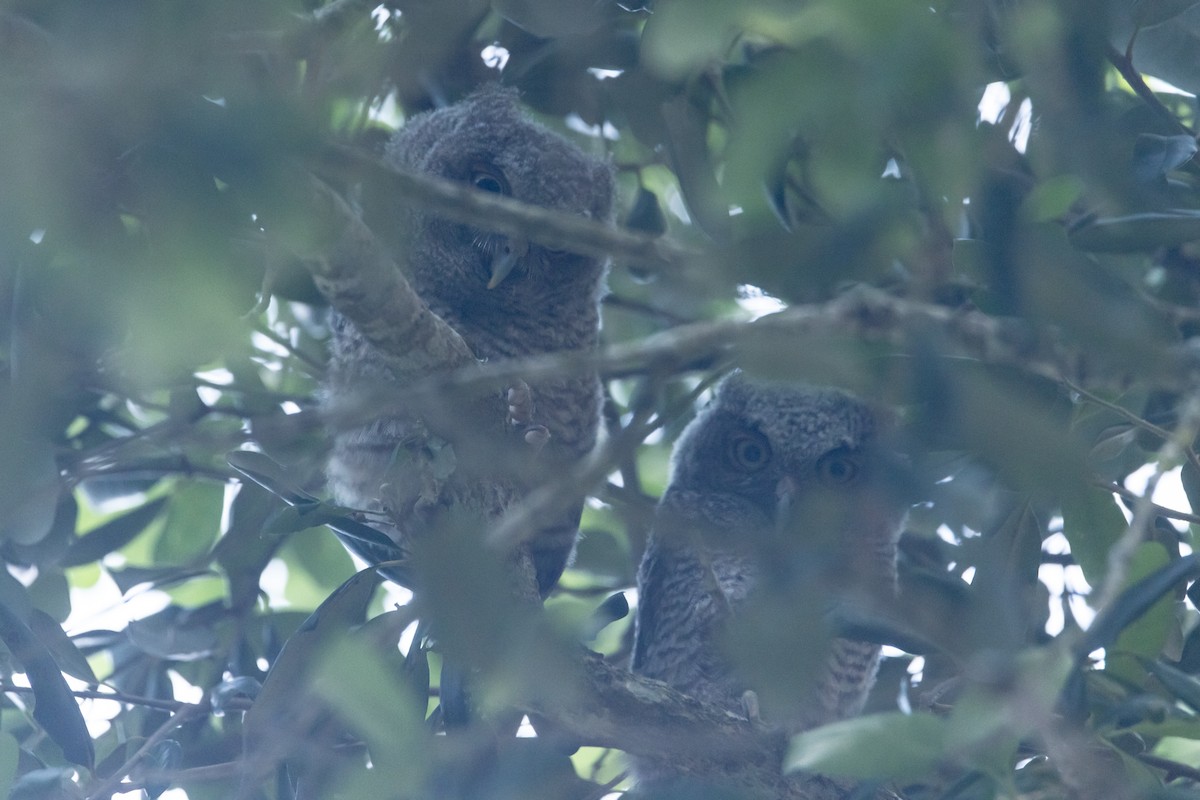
(838, 468)
(489, 179)
(749, 452)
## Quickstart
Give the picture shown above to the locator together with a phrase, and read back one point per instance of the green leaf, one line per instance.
(9, 754)
(29, 490)
(1136, 601)
(1154, 156)
(1135, 233)
(112, 535)
(244, 551)
(891, 746)
(1092, 523)
(1050, 199)
(1183, 686)
(65, 653)
(280, 703)
(193, 523)
(55, 708)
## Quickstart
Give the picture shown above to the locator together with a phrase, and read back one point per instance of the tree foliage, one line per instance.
(1021, 281)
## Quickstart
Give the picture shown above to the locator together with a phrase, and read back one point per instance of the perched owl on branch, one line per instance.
(506, 296)
(782, 504)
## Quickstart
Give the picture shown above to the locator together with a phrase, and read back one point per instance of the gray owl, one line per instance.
(507, 297)
(781, 502)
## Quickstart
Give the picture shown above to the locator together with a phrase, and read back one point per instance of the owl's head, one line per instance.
(784, 467)
(486, 141)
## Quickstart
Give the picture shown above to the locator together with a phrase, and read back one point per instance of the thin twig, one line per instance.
(185, 714)
(1133, 419)
(315, 367)
(1169, 455)
(1161, 511)
(1124, 64)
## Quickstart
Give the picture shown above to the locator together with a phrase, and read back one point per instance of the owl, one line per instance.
(782, 503)
(506, 296)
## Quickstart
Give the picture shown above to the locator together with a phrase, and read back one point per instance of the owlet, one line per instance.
(506, 296)
(782, 503)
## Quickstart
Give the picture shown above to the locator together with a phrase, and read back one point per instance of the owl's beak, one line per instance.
(507, 255)
(785, 497)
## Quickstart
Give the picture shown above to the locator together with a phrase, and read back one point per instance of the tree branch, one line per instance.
(363, 283)
(549, 227)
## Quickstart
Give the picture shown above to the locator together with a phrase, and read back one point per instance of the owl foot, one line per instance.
(520, 416)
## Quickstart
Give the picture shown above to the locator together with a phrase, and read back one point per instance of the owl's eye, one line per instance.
(489, 180)
(838, 468)
(749, 452)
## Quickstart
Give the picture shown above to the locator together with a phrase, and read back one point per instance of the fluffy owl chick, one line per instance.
(777, 491)
(505, 296)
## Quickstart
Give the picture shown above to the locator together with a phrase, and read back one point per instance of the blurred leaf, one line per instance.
(193, 523)
(47, 783)
(549, 18)
(1150, 632)
(1154, 156)
(358, 682)
(1093, 523)
(55, 708)
(9, 756)
(1183, 686)
(1149, 13)
(1135, 601)
(278, 704)
(29, 490)
(891, 746)
(112, 535)
(1050, 200)
(1133, 233)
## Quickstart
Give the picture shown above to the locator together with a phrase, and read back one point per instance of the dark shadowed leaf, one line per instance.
(1154, 156)
(112, 535)
(65, 653)
(1183, 686)
(164, 756)
(1135, 601)
(287, 682)
(1092, 523)
(548, 18)
(646, 214)
(1135, 233)
(1149, 13)
(55, 708)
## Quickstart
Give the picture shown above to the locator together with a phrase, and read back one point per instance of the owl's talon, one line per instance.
(520, 404)
(537, 436)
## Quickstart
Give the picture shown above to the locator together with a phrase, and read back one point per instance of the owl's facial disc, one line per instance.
(505, 257)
